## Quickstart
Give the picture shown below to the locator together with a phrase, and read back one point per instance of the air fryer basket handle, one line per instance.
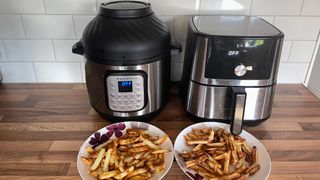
(77, 48)
(238, 99)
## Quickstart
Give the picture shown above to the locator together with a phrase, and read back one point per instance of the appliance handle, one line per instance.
(238, 99)
(175, 48)
(77, 48)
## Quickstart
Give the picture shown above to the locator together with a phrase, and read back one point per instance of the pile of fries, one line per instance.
(134, 156)
(217, 154)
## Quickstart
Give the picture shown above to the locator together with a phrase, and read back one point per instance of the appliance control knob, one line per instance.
(240, 70)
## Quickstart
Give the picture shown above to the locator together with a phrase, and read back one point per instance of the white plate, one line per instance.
(264, 158)
(154, 131)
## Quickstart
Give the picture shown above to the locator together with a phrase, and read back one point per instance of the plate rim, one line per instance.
(170, 142)
(224, 124)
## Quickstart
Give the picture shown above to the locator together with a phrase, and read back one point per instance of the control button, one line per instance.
(114, 106)
(122, 106)
(240, 70)
(138, 95)
(138, 100)
(112, 83)
(125, 96)
(138, 105)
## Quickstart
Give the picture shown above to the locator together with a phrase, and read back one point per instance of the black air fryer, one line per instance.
(127, 53)
(230, 69)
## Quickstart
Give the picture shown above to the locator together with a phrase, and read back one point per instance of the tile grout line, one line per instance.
(44, 6)
(35, 73)
(5, 50)
(23, 27)
(53, 49)
(74, 27)
(290, 51)
(251, 7)
(301, 7)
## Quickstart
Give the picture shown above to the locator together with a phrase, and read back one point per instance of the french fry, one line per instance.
(149, 143)
(218, 155)
(226, 163)
(139, 149)
(197, 148)
(107, 160)
(98, 148)
(98, 160)
(254, 155)
(125, 173)
(109, 174)
(86, 160)
(138, 177)
(135, 155)
(193, 142)
(161, 140)
(90, 150)
(137, 172)
(160, 151)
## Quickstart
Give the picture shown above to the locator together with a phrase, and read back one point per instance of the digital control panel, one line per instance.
(125, 92)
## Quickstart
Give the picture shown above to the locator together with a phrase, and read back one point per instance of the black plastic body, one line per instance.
(226, 53)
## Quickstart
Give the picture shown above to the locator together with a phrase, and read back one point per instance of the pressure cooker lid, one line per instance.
(125, 9)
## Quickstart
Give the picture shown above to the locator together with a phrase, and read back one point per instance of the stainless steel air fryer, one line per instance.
(126, 49)
(230, 69)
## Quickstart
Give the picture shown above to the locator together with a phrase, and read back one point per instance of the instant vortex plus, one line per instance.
(230, 70)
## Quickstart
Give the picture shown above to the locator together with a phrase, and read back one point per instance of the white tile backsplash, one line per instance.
(49, 26)
(276, 7)
(83, 72)
(58, 72)
(269, 19)
(35, 31)
(80, 23)
(11, 26)
(311, 7)
(175, 7)
(17, 72)
(179, 58)
(292, 72)
(3, 56)
(241, 7)
(29, 50)
(176, 71)
(21, 6)
(70, 6)
(302, 51)
(286, 48)
(180, 28)
(168, 20)
(63, 50)
(299, 28)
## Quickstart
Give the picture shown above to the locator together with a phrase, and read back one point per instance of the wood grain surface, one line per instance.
(42, 127)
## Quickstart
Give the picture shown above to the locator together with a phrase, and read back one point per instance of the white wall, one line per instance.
(36, 35)
(313, 82)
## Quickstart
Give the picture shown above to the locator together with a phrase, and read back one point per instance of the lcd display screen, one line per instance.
(125, 86)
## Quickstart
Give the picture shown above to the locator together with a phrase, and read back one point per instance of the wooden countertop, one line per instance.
(43, 125)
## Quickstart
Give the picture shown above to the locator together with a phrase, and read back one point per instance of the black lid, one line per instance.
(125, 9)
(125, 41)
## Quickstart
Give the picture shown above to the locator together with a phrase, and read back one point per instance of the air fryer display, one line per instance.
(227, 56)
